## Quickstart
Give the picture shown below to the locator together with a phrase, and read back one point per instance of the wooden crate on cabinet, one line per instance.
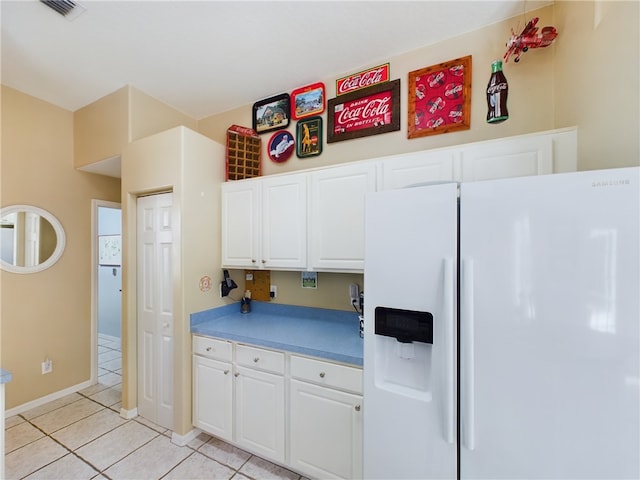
(244, 148)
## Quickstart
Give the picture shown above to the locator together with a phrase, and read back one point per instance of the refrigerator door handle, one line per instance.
(468, 374)
(449, 401)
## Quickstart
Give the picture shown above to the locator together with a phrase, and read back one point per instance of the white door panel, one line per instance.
(556, 337)
(155, 309)
(409, 392)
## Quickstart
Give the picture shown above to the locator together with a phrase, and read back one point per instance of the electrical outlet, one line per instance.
(47, 366)
(273, 291)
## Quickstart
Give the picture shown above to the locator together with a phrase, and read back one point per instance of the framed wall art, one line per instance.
(369, 111)
(308, 101)
(309, 137)
(363, 79)
(109, 250)
(440, 98)
(272, 113)
(281, 146)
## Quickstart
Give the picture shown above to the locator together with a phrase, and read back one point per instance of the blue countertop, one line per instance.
(5, 377)
(318, 332)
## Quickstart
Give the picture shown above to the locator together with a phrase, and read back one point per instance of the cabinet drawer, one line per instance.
(267, 360)
(327, 373)
(212, 348)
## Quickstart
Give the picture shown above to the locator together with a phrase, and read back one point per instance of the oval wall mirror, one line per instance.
(31, 239)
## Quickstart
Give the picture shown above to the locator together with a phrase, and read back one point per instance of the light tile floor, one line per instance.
(82, 436)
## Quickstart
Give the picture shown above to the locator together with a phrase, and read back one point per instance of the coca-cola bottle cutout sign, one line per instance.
(497, 91)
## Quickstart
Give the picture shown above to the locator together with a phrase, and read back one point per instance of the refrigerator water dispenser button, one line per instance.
(406, 326)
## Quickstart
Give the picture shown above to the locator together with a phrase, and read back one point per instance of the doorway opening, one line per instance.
(107, 292)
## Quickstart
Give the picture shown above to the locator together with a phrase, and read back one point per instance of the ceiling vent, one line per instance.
(67, 8)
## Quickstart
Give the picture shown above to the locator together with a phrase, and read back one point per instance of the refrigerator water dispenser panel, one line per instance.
(406, 326)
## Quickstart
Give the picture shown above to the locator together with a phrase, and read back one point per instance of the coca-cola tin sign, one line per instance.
(364, 79)
(440, 98)
(369, 111)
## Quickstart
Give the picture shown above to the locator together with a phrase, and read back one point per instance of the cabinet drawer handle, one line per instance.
(255, 360)
(357, 407)
(226, 372)
(209, 349)
(321, 374)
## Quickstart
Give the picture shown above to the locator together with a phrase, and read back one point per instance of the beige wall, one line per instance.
(588, 78)
(192, 167)
(101, 128)
(47, 314)
(104, 127)
(596, 81)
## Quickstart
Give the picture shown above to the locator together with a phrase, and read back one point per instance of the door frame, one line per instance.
(95, 205)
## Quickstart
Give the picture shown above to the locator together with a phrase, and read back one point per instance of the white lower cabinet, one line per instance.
(300, 412)
(326, 418)
(213, 386)
(260, 401)
(326, 431)
(212, 392)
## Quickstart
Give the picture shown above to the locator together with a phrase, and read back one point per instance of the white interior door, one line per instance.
(155, 309)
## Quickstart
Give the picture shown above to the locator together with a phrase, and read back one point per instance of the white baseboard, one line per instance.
(129, 414)
(47, 398)
(182, 440)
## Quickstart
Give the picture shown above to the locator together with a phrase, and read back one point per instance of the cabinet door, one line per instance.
(284, 222)
(212, 396)
(240, 224)
(259, 412)
(337, 216)
(419, 167)
(519, 157)
(326, 432)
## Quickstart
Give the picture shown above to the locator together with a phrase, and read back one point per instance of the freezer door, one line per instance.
(549, 327)
(409, 390)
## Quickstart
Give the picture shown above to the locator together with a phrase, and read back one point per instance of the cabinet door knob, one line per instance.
(264, 261)
(357, 407)
(209, 349)
(253, 260)
(321, 374)
(255, 360)
(226, 372)
(236, 374)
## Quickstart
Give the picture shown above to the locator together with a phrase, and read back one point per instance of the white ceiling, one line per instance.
(207, 57)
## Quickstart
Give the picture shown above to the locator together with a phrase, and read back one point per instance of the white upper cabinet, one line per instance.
(419, 167)
(284, 222)
(272, 222)
(518, 157)
(336, 220)
(264, 222)
(241, 224)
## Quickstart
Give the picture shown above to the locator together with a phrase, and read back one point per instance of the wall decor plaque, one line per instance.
(363, 79)
(308, 101)
(309, 137)
(440, 98)
(272, 113)
(369, 111)
(281, 146)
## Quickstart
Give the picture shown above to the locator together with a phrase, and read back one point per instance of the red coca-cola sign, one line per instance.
(362, 79)
(371, 111)
(366, 112)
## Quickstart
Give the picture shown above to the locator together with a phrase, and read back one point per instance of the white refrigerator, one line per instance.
(502, 329)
